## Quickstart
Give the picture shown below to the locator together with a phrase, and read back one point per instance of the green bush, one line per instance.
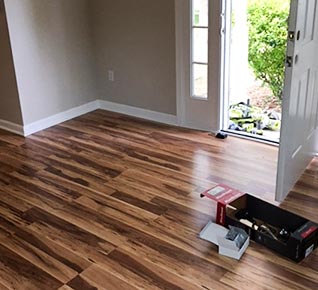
(267, 21)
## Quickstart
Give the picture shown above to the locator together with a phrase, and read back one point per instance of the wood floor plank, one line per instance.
(38, 258)
(190, 267)
(79, 216)
(74, 188)
(18, 273)
(54, 250)
(153, 273)
(14, 202)
(106, 201)
(190, 180)
(256, 277)
(11, 217)
(183, 215)
(116, 272)
(85, 165)
(71, 174)
(148, 193)
(138, 202)
(20, 161)
(95, 276)
(282, 269)
(78, 283)
(268, 283)
(41, 184)
(65, 287)
(165, 161)
(11, 139)
(119, 210)
(2, 287)
(74, 238)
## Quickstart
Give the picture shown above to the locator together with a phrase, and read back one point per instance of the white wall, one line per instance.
(63, 49)
(53, 55)
(9, 97)
(136, 39)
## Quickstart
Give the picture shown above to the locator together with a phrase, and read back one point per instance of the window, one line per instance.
(199, 48)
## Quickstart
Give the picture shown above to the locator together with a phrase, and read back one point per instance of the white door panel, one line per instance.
(193, 112)
(298, 142)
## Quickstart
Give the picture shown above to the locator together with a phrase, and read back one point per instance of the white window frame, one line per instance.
(183, 23)
(193, 27)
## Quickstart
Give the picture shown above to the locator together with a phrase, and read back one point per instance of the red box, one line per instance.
(223, 195)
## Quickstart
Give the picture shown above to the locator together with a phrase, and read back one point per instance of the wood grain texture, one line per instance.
(105, 201)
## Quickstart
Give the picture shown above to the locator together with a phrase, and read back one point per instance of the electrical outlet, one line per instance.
(111, 76)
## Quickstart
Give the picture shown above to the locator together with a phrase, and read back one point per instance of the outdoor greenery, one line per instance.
(267, 20)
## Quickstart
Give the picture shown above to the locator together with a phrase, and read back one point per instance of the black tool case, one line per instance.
(284, 232)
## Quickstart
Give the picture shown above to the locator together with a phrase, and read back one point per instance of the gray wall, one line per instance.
(9, 97)
(136, 39)
(63, 50)
(52, 50)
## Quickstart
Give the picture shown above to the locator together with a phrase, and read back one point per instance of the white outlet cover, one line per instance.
(111, 75)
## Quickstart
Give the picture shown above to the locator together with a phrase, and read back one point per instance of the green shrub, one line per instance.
(267, 21)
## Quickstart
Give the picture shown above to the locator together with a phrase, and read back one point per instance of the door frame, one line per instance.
(182, 70)
(183, 50)
(225, 63)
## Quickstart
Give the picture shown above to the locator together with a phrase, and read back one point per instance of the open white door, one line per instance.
(299, 134)
(198, 53)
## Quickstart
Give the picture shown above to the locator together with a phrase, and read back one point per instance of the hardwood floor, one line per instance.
(106, 201)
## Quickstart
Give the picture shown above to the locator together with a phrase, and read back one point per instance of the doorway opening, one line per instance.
(254, 67)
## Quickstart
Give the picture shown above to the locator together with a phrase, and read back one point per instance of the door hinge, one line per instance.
(289, 61)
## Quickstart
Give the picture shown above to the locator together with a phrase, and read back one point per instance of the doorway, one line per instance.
(254, 67)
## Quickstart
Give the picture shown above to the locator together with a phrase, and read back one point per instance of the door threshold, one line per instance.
(251, 137)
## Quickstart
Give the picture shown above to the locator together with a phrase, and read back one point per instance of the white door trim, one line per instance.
(182, 31)
(180, 11)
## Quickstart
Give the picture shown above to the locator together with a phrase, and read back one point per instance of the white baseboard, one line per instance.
(190, 125)
(60, 117)
(86, 108)
(138, 112)
(11, 127)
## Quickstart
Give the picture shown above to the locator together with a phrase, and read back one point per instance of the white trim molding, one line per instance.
(181, 59)
(84, 109)
(202, 114)
(139, 112)
(11, 127)
(60, 117)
